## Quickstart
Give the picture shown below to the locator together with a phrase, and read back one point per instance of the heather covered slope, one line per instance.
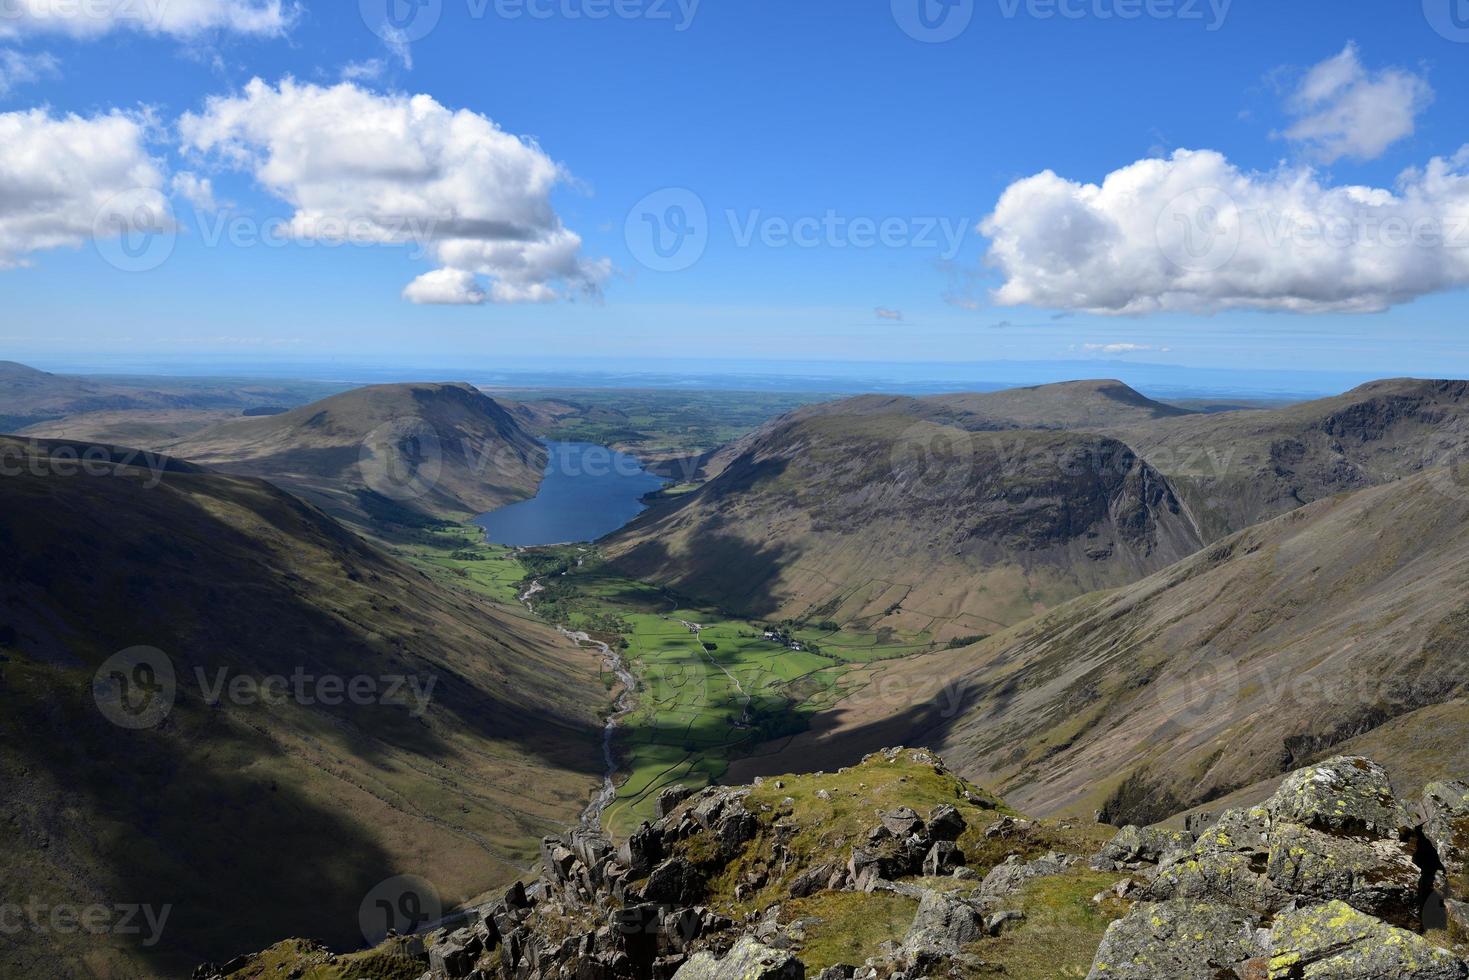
(257, 818)
(1235, 469)
(888, 521)
(440, 450)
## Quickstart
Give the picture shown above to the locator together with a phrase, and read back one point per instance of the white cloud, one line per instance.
(1345, 111)
(198, 191)
(445, 287)
(20, 68)
(66, 180)
(883, 313)
(395, 168)
(177, 18)
(1195, 233)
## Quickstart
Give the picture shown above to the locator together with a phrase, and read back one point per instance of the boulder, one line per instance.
(942, 858)
(1133, 846)
(902, 822)
(1336, 942)
(749, 960)
(641, 851)
(1010, 875)
(811, 881)
(1347, 794)
(1177, 941)
(1378, 877)
(945, 824)
(942, 925)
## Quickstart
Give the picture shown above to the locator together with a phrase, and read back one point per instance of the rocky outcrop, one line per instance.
(749, 960)
(1446, 828)
(1332, 863)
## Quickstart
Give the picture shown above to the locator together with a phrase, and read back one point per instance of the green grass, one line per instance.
(702, 701)
(1062, 929)
(850, 926)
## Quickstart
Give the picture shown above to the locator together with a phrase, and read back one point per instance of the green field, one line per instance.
(704, 697)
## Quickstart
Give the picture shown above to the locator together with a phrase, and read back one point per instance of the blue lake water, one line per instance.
(588, 491)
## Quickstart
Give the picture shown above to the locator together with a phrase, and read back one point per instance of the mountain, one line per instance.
(1067, 405)
(29, 396)
(909, 525)
(442, 450)
(411, 727)
(1345, 619)
(1239, 468)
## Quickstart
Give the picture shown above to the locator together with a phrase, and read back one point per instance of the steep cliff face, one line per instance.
(884, 520)
(1239, 468)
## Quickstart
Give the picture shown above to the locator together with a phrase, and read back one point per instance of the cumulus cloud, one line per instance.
(177, 18)
(21, 68)
(198, 191)
(358, 165)
(1195, 233)
(1345, 111)
(69, 179)
(883, 313)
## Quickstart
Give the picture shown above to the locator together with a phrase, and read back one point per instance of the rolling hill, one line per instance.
(900, 523)
(465, 732)
(440, 450)
(29, 397)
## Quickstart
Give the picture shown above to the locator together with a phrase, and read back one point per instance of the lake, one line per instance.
(588, 491)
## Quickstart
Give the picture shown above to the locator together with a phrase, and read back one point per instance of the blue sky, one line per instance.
(768, 113)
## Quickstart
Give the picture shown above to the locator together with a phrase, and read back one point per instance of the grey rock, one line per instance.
(749, 960)
(1336, 942)
(945, 823)
(675, 882)
(669, 799)
(1176, 941)
(902, 822)
(942, 925)
(1010, 875)
(1133, 846)
(942, 858)
(1347, 794)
